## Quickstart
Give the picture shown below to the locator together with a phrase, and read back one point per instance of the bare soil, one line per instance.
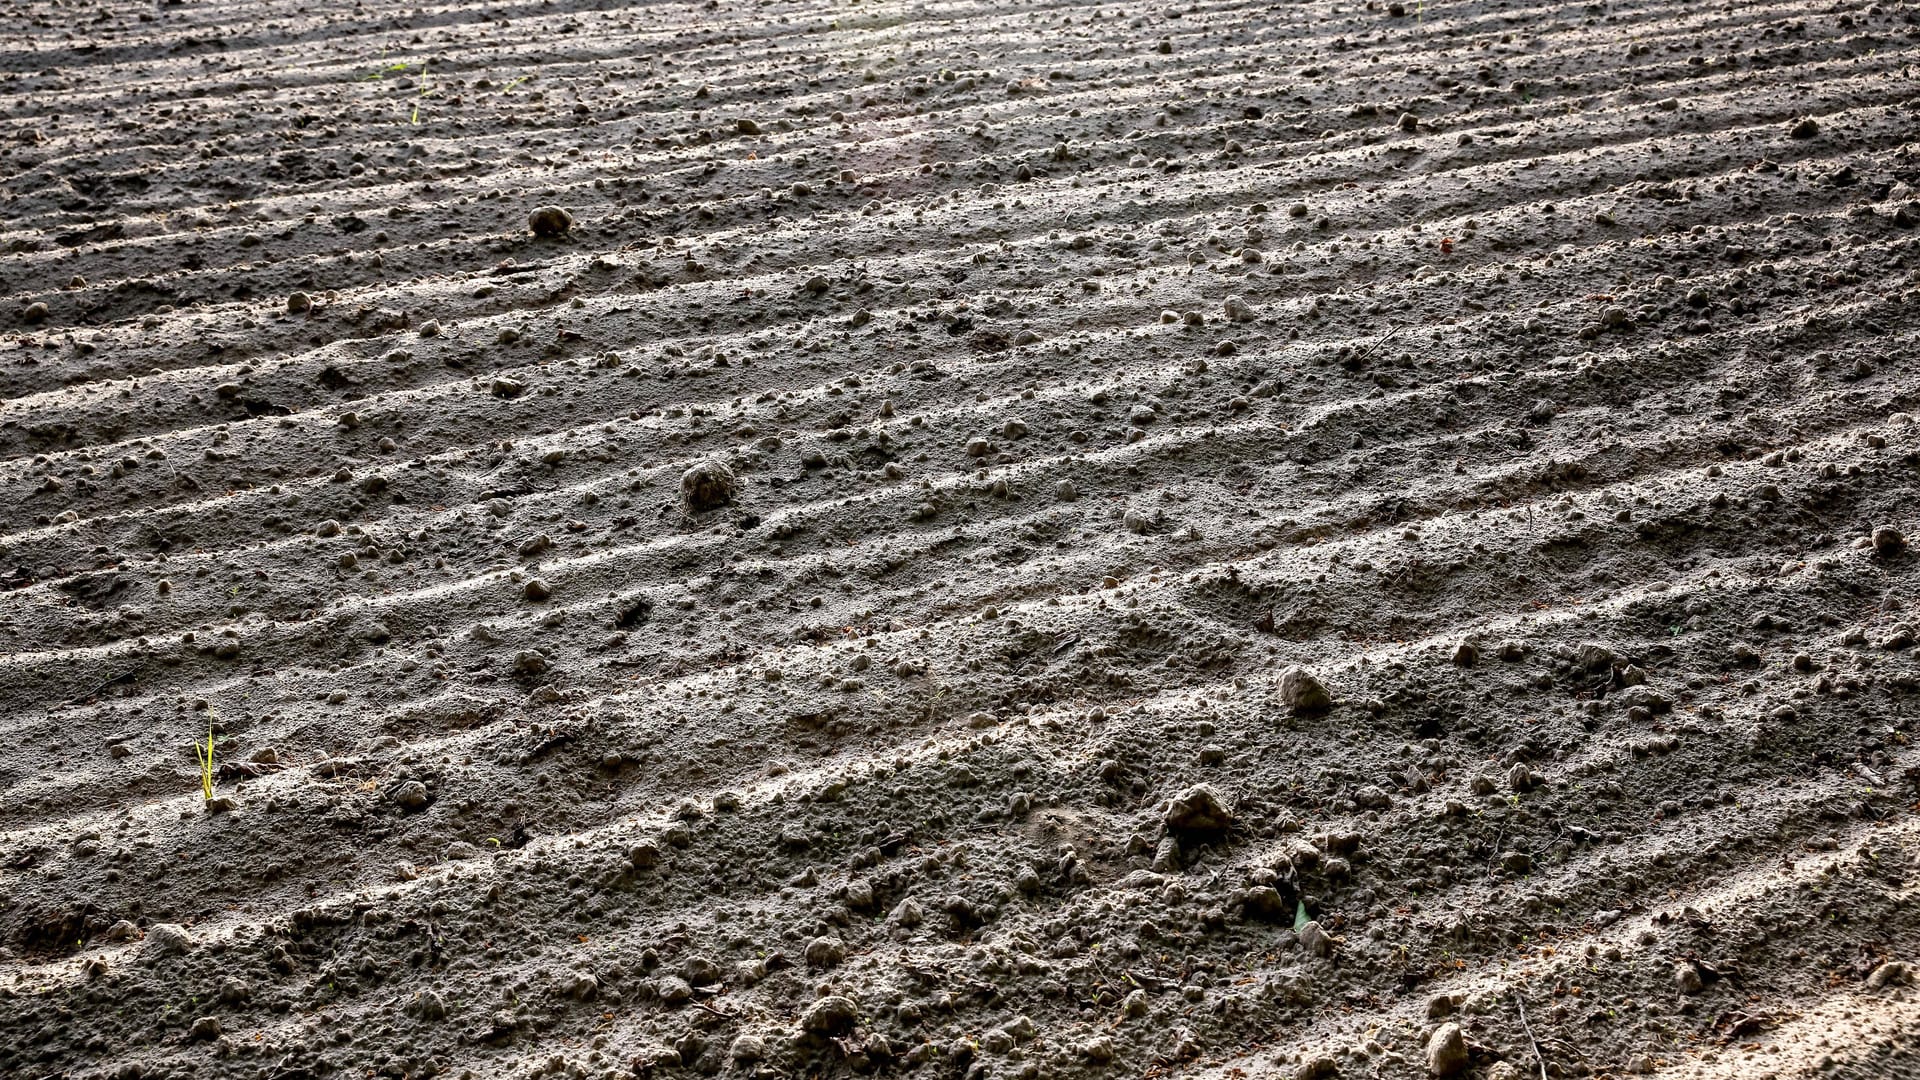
(966, 540)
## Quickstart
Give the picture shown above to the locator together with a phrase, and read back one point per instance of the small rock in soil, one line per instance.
(550, 221)
(167, 939)
(1303, 693)
(830, 1015)
(707, 485)
(1446, 1050)
(1315, 939)
(1198, 809)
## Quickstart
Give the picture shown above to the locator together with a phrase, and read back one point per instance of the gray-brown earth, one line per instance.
(774, 539)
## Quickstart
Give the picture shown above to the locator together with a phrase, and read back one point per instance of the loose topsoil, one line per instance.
(964, 540)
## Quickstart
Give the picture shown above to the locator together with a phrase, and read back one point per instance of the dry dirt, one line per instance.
(775, 539)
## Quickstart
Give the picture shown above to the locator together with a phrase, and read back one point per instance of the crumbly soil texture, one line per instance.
(979, 540)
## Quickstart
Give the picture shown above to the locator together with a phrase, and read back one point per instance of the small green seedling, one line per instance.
(385, 68)
(933, 702)
(206, 763)
(426, 91)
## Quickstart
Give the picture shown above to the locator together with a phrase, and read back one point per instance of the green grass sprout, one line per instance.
(206, 763)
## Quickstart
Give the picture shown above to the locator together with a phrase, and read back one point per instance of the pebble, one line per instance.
(550, 221)
(428, 1005)
(702, 971)
(1315, 939)
(1804, 128)
(1372, 797)
(167, 939)
(1198, 809)
(1891, 973)
(1686, 978)
(299, 303)
(825, 952)
(1237, 310)
(748, 1049)
(1265, 902)
(1446, 1050)
(411, 795)
(536, 589)
(1888, 541)
(1303, 693)
(674, 990)
(1317, 1068)
(708, 485)
(1519, 778)
(830, 1015)
(907, 913)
